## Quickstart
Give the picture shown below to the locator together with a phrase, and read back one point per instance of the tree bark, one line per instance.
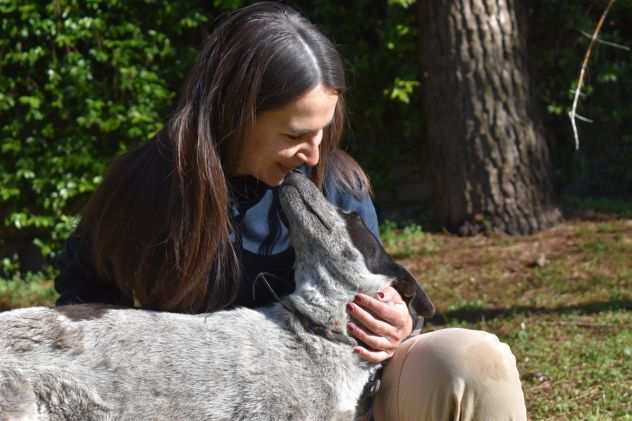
(488, 159)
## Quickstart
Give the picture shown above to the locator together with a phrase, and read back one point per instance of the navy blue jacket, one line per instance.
(260, 239)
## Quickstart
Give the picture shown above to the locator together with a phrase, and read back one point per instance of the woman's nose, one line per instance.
(309, 152)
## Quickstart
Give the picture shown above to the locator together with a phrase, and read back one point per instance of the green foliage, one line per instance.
(80, 81)
(9, 265)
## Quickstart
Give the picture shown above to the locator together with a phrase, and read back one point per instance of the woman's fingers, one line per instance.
(386, 308)
(379, 323)
(370, 322)
(372, 356)
(374, 342)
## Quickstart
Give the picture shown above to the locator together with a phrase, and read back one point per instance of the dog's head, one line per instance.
(337, 248)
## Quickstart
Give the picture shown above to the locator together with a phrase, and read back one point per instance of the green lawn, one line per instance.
(562, 300)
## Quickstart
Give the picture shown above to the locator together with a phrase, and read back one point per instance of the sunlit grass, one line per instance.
(26, 291)
(406, 241)
(562, 299)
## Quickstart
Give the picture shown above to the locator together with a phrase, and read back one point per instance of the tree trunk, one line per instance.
(488, 158)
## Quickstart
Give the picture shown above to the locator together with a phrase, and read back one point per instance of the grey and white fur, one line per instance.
(289, 361)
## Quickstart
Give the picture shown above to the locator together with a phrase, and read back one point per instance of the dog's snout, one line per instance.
(307, 198)
(294, 178)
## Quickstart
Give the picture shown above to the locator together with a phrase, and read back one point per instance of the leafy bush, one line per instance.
(80, 81)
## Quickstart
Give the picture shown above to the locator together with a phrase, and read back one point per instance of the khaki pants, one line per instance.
(451, 374)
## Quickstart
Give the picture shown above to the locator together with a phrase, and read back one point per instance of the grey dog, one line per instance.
(289, 361)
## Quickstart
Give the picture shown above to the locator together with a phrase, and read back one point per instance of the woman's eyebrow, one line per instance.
(300, 132)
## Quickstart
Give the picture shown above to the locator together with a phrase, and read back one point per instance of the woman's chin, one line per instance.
(273, 178)
(272, 181)
(279, 178)
(278, 181)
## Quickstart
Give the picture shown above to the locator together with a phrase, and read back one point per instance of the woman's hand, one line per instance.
(382, 323)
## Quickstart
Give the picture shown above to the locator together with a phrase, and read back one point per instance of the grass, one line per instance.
(562, 299)
(26, 291)
(406, 241)
(574, 366)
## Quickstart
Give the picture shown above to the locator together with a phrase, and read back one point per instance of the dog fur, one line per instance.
(289, 361)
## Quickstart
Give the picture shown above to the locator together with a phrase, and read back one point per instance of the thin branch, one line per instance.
(582, 74)
(582, 118)
(609, 43)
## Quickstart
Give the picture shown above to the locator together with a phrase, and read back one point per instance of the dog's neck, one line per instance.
(320, 301)
(317, 327)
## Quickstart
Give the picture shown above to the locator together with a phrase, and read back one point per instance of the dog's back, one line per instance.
(133, 364)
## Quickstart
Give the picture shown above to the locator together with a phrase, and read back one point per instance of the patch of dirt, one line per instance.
(543, 270)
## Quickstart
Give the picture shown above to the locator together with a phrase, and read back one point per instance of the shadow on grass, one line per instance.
(596, 208)
(480, 314)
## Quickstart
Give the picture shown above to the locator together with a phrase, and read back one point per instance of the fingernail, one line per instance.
(380, 295)
(357, 299)
(350, 327)
(350, 308)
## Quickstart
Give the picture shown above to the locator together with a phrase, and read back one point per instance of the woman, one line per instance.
(188, 221)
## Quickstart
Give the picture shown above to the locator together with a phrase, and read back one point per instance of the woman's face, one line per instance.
(287, 137)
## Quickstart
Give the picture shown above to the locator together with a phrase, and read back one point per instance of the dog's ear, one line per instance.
(378, 261)
(410, 290)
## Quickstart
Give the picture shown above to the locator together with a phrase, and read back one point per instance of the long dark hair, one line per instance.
(159, 225)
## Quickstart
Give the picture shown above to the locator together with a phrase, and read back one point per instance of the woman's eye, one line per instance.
(294, 137)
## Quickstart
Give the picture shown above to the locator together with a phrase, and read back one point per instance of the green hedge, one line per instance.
(80, 81)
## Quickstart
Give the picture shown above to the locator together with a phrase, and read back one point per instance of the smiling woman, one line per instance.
(283, 139)
(190, 221)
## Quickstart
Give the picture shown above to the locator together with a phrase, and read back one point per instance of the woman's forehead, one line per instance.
(310, 112)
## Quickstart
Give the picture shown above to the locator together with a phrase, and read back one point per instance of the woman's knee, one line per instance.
(472, 354)
(463, 354)
(450, 372)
